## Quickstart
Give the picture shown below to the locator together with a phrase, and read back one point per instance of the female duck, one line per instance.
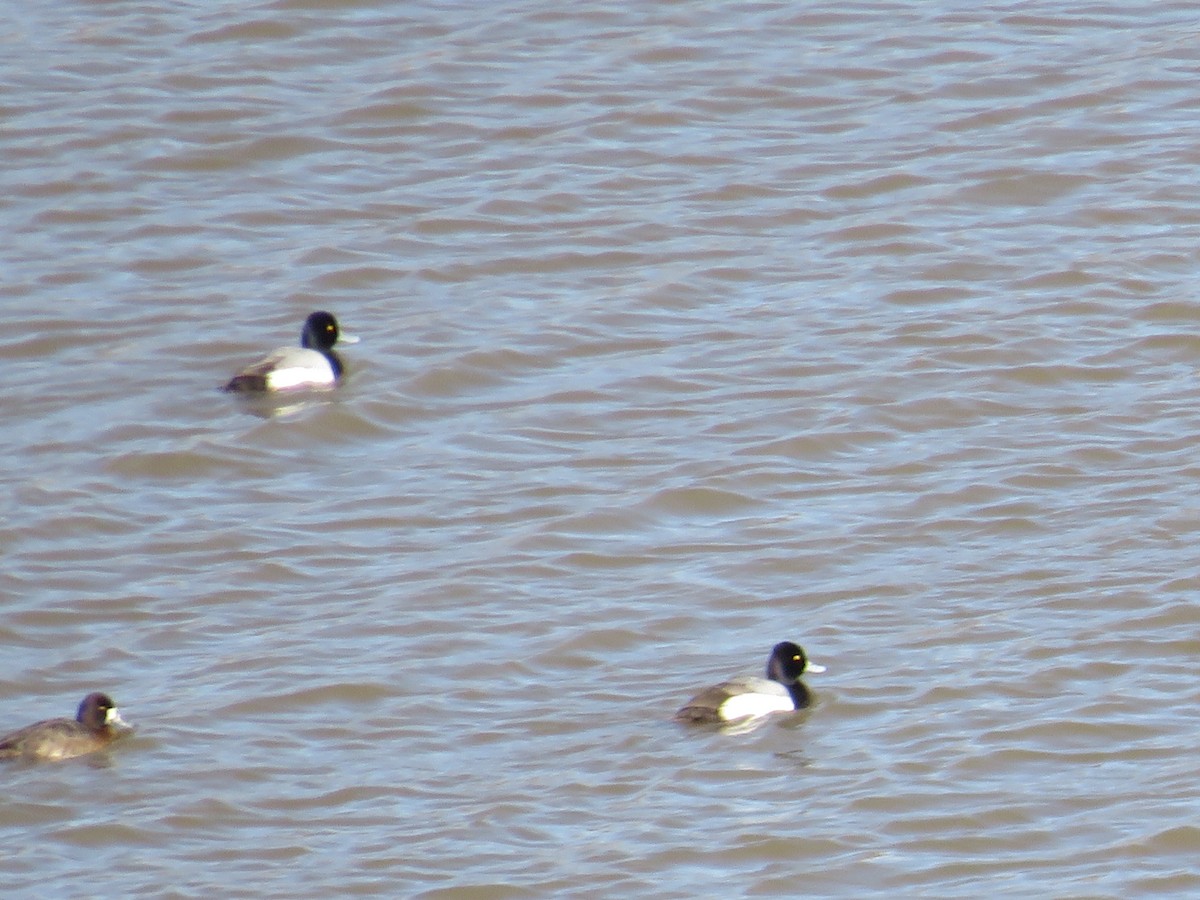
(95, 726)
(311, 365)
(750, 697)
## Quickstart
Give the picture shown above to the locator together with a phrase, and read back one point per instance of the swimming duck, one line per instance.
(311, 365)
(750, 697)
(95, 726)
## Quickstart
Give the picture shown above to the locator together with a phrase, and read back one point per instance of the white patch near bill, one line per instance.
(112, 717)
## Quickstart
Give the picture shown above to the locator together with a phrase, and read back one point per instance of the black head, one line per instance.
(93, 711)
(320, 331)
(787, 663)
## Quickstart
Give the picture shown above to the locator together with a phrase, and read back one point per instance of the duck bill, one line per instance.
(344, 338)
(814, 667)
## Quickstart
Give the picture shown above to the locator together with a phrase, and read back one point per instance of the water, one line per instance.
(687, 328)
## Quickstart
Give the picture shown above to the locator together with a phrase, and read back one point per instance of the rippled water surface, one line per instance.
(687, 328)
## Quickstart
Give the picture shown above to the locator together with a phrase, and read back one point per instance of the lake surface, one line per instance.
(686, 328)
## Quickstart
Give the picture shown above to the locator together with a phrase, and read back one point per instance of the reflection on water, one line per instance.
(742, 726)
(282, 405)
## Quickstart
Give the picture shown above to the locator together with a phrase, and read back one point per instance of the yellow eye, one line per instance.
(795, 659)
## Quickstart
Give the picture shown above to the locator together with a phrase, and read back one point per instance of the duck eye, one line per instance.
(795, 659)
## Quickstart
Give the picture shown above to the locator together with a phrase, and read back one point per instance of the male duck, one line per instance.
(749, 697)
(311, 365)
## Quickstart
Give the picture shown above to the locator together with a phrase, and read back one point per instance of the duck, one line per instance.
(748, 698)
(96, 725)
(311, 365)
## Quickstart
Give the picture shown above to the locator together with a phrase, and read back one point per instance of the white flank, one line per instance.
(298, 376)
(741, 706)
